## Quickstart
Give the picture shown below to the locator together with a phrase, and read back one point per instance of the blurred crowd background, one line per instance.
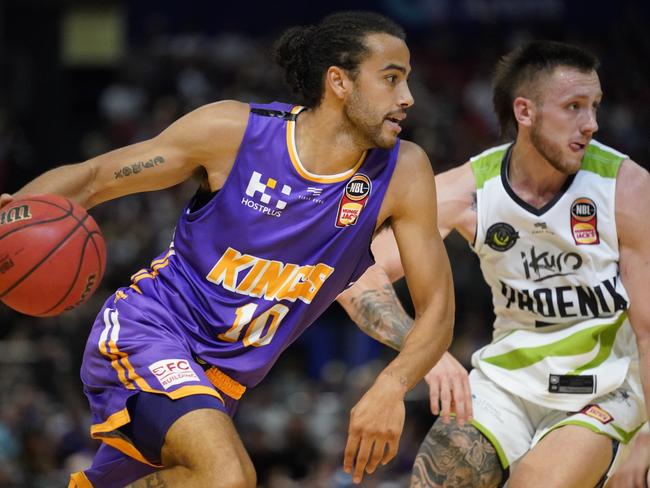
(78, 78)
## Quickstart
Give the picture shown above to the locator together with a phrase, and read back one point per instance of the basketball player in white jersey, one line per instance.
(559, 222)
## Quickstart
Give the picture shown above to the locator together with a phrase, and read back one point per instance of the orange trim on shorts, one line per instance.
(79, 480)
(231, 387)
(116, 356)
(122, 417)
(118, 419)
(302, 171)
(191, 390)
(114, 359)
(139, 380)
(128, 449)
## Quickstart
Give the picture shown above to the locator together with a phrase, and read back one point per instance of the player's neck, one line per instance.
(324, 146)
(531, 176)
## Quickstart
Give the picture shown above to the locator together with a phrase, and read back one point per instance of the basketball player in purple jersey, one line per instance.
(292, 198)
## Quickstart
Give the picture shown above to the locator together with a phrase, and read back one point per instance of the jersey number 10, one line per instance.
(254, 335)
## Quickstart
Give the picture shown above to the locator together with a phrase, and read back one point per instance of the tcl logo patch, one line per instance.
(171, 372)
(594, 411)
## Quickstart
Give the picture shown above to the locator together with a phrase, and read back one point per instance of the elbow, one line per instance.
(88, 196)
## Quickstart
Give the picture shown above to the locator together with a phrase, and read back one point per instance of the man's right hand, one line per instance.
(633, 473)
(449, 390)
(5, 199)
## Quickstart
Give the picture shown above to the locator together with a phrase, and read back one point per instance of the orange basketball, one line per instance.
(52, 255)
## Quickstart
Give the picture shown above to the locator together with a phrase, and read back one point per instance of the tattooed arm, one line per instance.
(382, 316)
(379, 313)
(208, 137)
(374, 307)
(372, 302)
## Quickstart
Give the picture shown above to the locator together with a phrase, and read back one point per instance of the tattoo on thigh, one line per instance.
(153, 480)
(455, 456)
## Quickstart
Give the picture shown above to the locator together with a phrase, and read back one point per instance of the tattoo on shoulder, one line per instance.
(380, 314)
(135, 168)
(474, 206)
(153, 480)
(457, 456)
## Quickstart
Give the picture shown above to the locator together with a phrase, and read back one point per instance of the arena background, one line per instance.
(80, 78)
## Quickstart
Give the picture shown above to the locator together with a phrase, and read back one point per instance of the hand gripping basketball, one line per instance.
(52, 254)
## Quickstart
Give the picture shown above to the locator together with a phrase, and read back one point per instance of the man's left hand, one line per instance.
(376, 424)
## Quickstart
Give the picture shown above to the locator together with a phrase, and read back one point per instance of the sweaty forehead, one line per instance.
(386, 50)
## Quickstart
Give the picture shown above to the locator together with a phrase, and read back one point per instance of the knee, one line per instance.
(243, 478)
(205, 443)
(249, 476)
(239, 475)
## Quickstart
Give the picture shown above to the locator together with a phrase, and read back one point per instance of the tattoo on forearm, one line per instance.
(380, 314)
(400, 379)
(474, 206)
(456, 456)
(135, 168)
(154, 480)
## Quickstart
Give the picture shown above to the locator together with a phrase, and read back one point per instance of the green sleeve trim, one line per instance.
(493, 440)
(602, 162)
(487, 166)
(578, 343)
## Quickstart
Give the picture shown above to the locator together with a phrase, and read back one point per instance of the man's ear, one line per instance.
(338, 82)
(524, 110)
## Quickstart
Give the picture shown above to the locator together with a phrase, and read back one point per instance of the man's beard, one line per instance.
(357, 112)
(548, 149)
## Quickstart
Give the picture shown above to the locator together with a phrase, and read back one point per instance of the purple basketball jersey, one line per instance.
(246, 273)
(250, 270)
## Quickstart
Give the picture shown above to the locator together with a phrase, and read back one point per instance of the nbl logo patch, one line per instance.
(354, 199)
(584, 222)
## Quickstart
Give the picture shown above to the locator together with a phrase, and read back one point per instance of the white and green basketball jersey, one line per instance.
(561, 335)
